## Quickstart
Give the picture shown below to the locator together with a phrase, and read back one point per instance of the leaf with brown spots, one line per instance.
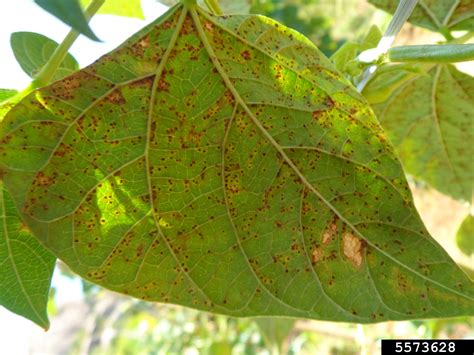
(213, 183)
(26, 267)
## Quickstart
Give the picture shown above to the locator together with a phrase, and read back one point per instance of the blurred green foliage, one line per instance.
(115, 324)
(327, 23)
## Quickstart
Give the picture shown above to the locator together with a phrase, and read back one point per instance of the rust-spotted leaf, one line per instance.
(26, 267)
(222, 163)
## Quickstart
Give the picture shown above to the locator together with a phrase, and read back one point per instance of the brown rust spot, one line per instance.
(317, 114)
(144, 42)
(246, 55)
(62, 150)
(163, 85)
(353, 248)
(140, 250)
(229, 96)
(145, 83)
(116, 97)
(44, 180)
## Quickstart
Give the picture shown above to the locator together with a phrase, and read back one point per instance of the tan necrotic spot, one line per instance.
(316, 255)
(330, 232)
(353, 248)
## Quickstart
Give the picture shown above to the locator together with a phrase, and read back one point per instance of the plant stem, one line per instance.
(46, 74)
(432, 53)
(404, 10)
(213, 5)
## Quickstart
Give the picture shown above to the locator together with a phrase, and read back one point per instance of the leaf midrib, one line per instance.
(158, 74)
(280, 150)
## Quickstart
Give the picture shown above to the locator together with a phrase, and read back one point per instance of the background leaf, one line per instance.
(26, 266)
(436, 15)
(126, 8)
(33, 50)
(70, 12)
(388, 78)
(429, 120)
(465, 235)
(222, 163)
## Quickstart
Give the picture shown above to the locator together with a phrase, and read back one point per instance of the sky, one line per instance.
(24, 15)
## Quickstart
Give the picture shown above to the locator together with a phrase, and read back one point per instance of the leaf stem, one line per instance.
(213, 5)
(46, 74)
(404, 10)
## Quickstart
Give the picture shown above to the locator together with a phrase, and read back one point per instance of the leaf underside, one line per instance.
(25, 266)
(222, 164)
(454, 15)
(429, 120)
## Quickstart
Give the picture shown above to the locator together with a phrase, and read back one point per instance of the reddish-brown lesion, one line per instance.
(44, 180)
(116, 97)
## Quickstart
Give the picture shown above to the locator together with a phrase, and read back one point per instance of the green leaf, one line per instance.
(26, 266)
(33, 50)
(223, 164)
(5, 94)
(429, 120)
(436, 15)
(465, 235)
(70, 12)
(126, 8)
